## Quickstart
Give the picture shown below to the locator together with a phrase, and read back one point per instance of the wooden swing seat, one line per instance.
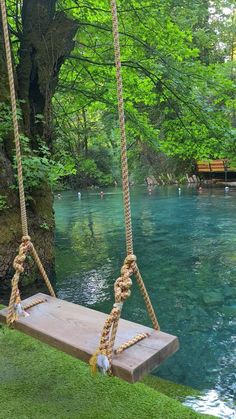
(76, 330)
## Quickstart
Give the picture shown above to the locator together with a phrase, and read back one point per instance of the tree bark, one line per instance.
(47, 39)
(45, 42)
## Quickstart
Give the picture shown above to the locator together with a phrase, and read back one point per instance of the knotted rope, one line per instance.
(121, 112)
(15, 308)
(124, 162)
(18, 264)
(103, 356)
(131, 342)
(14, 118)
(122, 292)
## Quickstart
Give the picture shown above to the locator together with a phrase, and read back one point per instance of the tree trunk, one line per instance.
(40, 212)
(45, 42)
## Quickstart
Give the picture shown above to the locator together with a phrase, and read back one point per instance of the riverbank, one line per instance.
(37, 381)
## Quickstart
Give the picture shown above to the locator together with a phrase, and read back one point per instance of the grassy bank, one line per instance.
(37, 381)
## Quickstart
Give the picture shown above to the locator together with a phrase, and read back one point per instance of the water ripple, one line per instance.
(186, 251)
(210, 403)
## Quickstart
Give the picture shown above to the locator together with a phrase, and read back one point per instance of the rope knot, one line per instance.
(114, 314)
(18, 263)
(99, 360)
(26, 243)
(122, 288)
(26, 239)
(129, 259)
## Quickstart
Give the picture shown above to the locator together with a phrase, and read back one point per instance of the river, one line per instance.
(185, 242)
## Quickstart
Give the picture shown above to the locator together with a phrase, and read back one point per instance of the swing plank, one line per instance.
(76, 330)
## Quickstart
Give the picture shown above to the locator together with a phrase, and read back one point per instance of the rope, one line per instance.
(42, 270)
(15, 307)
(122, 292)
(146, 298)
(14, 118)
(124, 163)
(18, 265)
(103, 356)
(124, 160)
(36, 301)
(131, 342)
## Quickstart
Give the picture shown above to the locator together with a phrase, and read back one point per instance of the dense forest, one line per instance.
(178, 62)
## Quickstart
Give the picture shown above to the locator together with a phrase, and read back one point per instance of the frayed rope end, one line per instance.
(99, 361)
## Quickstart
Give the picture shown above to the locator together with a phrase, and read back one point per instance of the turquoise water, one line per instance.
(186, 248)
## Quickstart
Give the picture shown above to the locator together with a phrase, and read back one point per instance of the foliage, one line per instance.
(39, 167)
(179, 89)
(5, 120)
(44, 226)
(3, 203)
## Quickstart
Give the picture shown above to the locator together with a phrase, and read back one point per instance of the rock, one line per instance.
(151, 180)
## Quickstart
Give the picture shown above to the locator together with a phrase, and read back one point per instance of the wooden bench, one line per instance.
(212, 166)
(203, 166)
(218, 166)
(76, 330)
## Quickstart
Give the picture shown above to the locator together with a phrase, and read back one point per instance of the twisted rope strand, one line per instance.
(146, 298)
(103, 356)
(122, 292)
(18, 262)
(33, 303)
(42, 270)
(25, 247)
(14, 118)
(124, 163)
(124, 160)
(131, 342)
(18, 265)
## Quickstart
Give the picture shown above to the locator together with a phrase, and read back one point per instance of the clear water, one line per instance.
(186, 248)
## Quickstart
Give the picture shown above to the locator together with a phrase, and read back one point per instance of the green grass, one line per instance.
(37, 381)
(170, 389)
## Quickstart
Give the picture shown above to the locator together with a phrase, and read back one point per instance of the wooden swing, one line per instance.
(123, 348)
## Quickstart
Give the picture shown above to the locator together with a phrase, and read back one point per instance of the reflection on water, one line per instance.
(185, 245)
(88, 292)
(210, 403)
